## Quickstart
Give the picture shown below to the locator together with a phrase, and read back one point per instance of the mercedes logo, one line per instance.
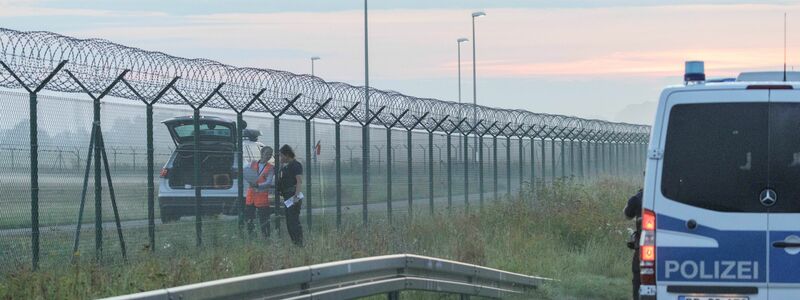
(768, 197)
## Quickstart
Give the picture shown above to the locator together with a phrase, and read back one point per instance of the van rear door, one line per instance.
(784, 187)
(711, 230)
(181, 129)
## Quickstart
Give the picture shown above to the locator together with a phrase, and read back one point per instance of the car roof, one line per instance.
(734, 85)
(207, 118)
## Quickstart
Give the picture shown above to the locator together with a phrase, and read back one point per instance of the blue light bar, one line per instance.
(695, 71)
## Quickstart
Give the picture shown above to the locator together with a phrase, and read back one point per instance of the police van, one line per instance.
(721, 205)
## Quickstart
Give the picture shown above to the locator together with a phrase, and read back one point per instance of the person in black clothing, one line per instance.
(290, 186)
(633, 210)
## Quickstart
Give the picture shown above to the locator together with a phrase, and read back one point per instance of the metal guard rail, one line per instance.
(357, 278)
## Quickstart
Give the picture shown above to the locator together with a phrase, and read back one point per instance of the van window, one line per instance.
(215, 130)
(715, 156)
(784, 156)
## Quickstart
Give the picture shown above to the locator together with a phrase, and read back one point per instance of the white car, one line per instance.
(218, 167)
(721, 202)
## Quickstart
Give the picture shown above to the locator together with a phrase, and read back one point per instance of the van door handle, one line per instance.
(782, 244)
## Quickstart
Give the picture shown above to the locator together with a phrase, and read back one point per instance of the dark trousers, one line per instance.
(636, 281)
(293, 223)
(250, 212)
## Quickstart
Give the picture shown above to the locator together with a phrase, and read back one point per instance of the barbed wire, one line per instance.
(97, 63)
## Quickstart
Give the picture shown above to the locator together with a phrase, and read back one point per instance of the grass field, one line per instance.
(572, 232)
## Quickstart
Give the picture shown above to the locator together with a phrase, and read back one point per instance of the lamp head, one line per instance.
(315, 58)
(461, 40)
(478, 14)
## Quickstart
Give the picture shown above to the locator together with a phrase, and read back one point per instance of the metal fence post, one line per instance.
(436, 126)
(544, 159)
(309, 146)
(626, 162)
(449, 134)
(364, 169)
(308, 172)
(494, 157)
(389, 173)
(338, 142)
(409, 174)
(34, 155)
(100, 153)
(508, 164)
(603, 156)
(430, 170)
(480, 170)
(618, 157)
(521, 162)
(390, 159)
(196, 164)
(583, 158)
(34, 134)
(572, 157)
(337, 121)
(196, 177)
(449, 174)
(466, 171)
(588, 158)
(481, 160)
(466, 160)
(494, 165)
(615, 158)
(410, 156)
(533, 165)
(240, 126)
(563, 157)
(151, 225)
(365, 154)
(595, 160)
(409, 169)
(553, 157)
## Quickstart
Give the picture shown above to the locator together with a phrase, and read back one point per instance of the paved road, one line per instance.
(398, 206)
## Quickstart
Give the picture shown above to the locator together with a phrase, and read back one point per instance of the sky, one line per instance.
(586, 58)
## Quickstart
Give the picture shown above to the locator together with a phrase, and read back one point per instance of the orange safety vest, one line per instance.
(254, 197)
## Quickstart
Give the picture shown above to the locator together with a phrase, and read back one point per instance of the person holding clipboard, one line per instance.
(261, 176)
(290, 186)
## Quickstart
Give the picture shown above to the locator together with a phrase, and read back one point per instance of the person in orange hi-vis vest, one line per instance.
(257, 201)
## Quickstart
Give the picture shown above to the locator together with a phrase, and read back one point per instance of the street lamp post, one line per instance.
(365, 129)
(459, 41)
(476, 14)
(313, 58)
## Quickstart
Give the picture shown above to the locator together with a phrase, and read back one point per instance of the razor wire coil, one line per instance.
(97, 63)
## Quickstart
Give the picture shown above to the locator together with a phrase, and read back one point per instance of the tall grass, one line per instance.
(569, 231)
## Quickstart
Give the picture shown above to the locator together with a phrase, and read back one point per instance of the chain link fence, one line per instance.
(90, 168)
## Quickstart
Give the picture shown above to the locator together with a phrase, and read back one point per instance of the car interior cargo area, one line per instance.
(216, 163)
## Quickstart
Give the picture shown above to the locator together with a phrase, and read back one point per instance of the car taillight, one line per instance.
(164, 173)
(647, 253)
(648, 220)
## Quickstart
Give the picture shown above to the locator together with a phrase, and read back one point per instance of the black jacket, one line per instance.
(634, 207)
(633, 210)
